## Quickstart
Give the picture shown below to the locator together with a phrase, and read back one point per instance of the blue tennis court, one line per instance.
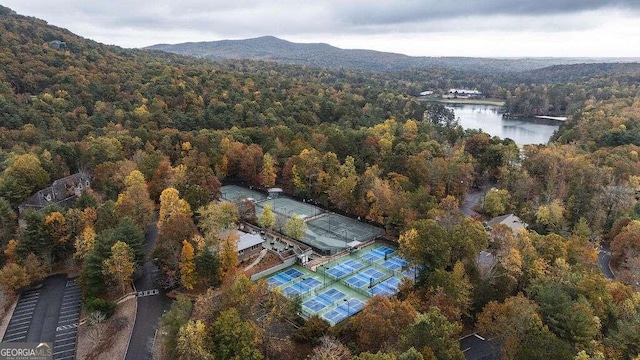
(301, 287)
(377, 254)
(323, 300)
(343, 311)
(345, 268)
(284, 277)
(367, 277)
(410, 273)
(394, 263)
(386, 288)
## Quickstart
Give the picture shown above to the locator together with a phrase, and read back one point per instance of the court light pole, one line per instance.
(348, 307)
(300, 283)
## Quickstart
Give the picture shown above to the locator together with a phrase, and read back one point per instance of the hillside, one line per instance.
(270, 48)
(159, 130)
(580, 72)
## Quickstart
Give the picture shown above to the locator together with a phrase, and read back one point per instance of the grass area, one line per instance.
(495, 102)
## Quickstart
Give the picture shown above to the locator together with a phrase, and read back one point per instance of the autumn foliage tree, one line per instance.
(269, 171)
(171, 204)
(120, 265)
(381, 323)
(135, 202)
(267, 218)
(188, 275)
(295, 227)
(13, 277)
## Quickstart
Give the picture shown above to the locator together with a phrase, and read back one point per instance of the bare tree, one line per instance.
(330, 349)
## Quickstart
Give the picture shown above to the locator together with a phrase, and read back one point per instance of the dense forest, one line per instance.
(162, 131)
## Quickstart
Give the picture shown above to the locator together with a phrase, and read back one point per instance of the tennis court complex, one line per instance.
(342, 287)
(234, 192)
(287, 207)
(328, 233)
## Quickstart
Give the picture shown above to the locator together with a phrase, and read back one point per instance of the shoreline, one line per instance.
(494, 102)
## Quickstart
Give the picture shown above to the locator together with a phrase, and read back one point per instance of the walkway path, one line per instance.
(256, 261)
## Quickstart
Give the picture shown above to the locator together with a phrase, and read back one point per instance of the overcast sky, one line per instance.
(488, 28)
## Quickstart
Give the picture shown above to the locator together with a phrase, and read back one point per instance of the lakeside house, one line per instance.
(462, 94)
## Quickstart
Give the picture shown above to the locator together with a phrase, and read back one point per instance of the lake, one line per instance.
(489, 119)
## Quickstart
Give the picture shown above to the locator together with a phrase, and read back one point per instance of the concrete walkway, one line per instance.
(256, 261)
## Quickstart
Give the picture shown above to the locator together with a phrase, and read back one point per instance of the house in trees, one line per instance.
(509, 220)
(62, 192)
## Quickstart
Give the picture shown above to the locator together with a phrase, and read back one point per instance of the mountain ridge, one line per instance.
(271, 48)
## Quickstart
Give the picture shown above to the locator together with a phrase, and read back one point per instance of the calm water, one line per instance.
(487, 118)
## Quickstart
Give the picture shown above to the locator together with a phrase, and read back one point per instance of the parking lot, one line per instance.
(64, 346)
(48, 314)
(22, 316)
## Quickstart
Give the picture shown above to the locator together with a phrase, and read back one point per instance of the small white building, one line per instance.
(249, 244)
(462, 94)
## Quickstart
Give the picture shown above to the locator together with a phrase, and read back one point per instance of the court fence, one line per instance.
(275, 269)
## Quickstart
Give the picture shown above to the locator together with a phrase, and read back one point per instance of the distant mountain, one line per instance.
(576, 72)
(269, 48)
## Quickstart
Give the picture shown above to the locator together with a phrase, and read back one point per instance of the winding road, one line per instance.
(604, 262)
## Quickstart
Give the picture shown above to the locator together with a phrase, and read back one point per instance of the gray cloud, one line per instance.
(292, 16)
(145, 22)
(398, 12)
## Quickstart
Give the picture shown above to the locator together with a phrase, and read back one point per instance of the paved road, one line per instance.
(48, 314)
(470, 201)
(604, 259)
(151, 305)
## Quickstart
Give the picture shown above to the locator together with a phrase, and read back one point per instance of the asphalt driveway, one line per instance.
(151, 304)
